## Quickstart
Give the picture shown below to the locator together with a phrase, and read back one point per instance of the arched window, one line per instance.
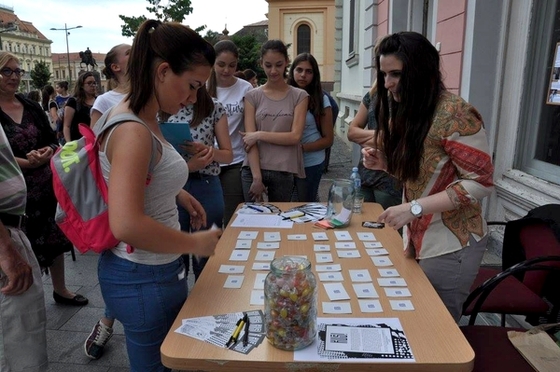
(303, 39)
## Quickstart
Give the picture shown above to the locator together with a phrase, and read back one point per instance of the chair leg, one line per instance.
(503, 320)
(73, 254)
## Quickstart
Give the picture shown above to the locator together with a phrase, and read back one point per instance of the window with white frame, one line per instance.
(538, 151)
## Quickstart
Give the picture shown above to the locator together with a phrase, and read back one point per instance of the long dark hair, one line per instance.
(222, 46)
(314, 88)
(203, 106)
(275, 45)
(79, 91)
(110, 59)
(404, 125)
(46, 95)
(158, 42)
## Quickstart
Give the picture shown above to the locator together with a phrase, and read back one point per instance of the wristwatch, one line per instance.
(415, 209)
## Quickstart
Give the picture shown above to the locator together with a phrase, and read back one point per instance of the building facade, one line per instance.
(23, 40)
(306, 26)
(64, 71)
(503, 56)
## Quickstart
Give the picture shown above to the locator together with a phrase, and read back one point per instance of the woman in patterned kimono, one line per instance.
(435, 144)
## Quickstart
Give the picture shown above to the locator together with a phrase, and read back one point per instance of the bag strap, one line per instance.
(103, 125)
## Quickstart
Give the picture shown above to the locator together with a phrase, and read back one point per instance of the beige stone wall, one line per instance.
(285, 16)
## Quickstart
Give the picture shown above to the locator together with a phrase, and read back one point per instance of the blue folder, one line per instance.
(176, 134)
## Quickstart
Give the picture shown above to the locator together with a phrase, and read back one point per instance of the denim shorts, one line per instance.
(146, 300)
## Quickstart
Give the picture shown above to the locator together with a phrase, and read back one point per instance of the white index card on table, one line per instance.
(373, 245)
(366, 236)
(257, 297)
(337, 308)
(248, 235)
(343, 253)
(391, 282)
(231, 269)
(376, 252)
(361, 275)
(342, 235)
(381, 261)
(336, 291)
(345, 245)
(320, 236)
(388, 272)
(243, 244)
(268, 245)
(234, 281)
(333, 267)
(397, 292)
(331, 276)
(403, 305)
(261, 266)
(265, 255)
(365, 290)
(259, 280)
(321, 247)
(323, 257)
(239, 255)
(370, 306)
(272, 236)
(297, 237)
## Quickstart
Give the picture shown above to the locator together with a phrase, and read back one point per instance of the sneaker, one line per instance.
(98, 338)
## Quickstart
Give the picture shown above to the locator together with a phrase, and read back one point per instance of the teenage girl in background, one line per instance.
(274, 121)
(230, 91)
(318, 133)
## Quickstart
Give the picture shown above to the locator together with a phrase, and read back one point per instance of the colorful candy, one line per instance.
(290, 292)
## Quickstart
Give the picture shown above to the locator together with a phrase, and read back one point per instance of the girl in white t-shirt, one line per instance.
(230, 91)
(115, 70)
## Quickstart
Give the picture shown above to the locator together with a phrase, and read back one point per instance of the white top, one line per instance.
(232, 100)
(107, 100)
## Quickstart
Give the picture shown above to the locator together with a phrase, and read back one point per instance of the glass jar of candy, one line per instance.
(290, 295)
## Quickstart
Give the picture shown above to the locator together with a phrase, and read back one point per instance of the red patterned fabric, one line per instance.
(456, 159)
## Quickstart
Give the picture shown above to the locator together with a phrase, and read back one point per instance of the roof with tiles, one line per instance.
(9, 19)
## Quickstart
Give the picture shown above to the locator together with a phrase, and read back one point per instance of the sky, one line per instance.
(101, 25)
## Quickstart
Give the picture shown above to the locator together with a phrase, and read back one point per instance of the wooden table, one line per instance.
(436, 341)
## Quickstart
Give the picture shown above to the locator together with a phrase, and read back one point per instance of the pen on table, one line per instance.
(236, 331)
(246, 334)
(254, 208)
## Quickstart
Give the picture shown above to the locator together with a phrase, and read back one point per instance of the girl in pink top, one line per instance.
(274, 121)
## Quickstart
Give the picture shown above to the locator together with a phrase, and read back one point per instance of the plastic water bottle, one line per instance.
(357, 182)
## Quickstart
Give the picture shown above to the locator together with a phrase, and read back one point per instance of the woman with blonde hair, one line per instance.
(33, 143)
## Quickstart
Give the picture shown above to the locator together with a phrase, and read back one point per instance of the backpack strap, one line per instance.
(103, 125)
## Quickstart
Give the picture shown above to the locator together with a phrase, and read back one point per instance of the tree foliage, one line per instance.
(249, 54)
(212, 37)
(40, 75)
(175, 10)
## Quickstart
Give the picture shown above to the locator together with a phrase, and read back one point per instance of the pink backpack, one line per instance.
(81, 191)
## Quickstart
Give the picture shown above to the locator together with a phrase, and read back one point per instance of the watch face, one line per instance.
(416, 209)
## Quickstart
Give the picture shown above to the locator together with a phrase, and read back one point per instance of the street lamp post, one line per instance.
(66, 29)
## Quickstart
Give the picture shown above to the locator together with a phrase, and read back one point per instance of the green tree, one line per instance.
(175, 10)
(212, 37)
(249, 54)
(40, 75)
